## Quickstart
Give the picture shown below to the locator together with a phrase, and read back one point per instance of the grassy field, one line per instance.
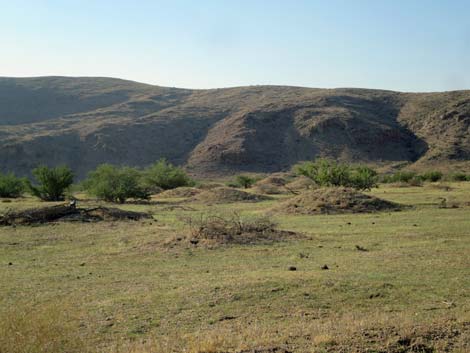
(130, 287)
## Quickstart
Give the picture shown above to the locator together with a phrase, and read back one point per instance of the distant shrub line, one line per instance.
(119, 183)
(107, 182)
(413, 178)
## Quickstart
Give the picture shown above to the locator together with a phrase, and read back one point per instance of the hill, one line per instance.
(86, 121)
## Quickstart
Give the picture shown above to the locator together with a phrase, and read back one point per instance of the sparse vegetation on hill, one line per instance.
(225, 131)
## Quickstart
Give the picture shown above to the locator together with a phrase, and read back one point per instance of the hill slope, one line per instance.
(87, 121)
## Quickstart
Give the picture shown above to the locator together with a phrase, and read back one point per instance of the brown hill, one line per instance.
(87, 121)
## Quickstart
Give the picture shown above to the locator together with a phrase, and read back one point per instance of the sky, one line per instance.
(404, 45)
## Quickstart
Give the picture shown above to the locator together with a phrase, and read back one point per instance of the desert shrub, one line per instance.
(386, 179)
(431, 176)
(11, 186)
(401, 177)
(233, 229)
(325, 172)
(51, 183)
(459, 176)
(115, 184)
(243, 181)
(416, 181)
(364, 178)
(166, 176)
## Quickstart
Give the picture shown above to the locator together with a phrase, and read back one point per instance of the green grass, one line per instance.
(122, 282)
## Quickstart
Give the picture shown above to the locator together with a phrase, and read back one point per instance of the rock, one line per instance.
(325, 267)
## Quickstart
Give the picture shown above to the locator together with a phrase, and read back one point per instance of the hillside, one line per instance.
(83, 122)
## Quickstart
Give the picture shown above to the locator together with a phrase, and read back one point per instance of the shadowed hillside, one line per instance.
(87, 121)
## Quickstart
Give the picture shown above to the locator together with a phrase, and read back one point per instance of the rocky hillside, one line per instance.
(83, 122)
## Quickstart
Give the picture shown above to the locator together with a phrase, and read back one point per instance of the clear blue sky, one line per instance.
(408, 45)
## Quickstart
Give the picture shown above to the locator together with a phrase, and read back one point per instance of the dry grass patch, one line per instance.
(45, 329)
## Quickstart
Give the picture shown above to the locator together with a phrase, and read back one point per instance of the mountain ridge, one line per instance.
(85, 121)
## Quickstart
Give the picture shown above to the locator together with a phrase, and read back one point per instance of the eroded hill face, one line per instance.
(83, 122)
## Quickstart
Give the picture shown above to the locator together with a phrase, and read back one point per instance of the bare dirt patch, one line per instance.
(335, 200)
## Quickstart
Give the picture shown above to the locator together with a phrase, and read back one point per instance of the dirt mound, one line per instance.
(209, 186)
(300, 183)
(272, 180)
(219, 229)
(180, 192)
(227, 195)
(272, 185)
(334, 200)
(70, 214)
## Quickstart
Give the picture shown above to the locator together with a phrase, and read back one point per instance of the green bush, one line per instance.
(115, 184)
(52, 183)
(166, 176)
(431, 176)
(364, 178)
(325, 172)
(402, 177)
(459, 176)
(11, 186)
(243, 181)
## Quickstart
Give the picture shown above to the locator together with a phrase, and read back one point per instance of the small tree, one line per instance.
(244, 181)
(325, 172)
(166, 176)
(51, 182)
(115, 184)
(11, 186)
(364, 178)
